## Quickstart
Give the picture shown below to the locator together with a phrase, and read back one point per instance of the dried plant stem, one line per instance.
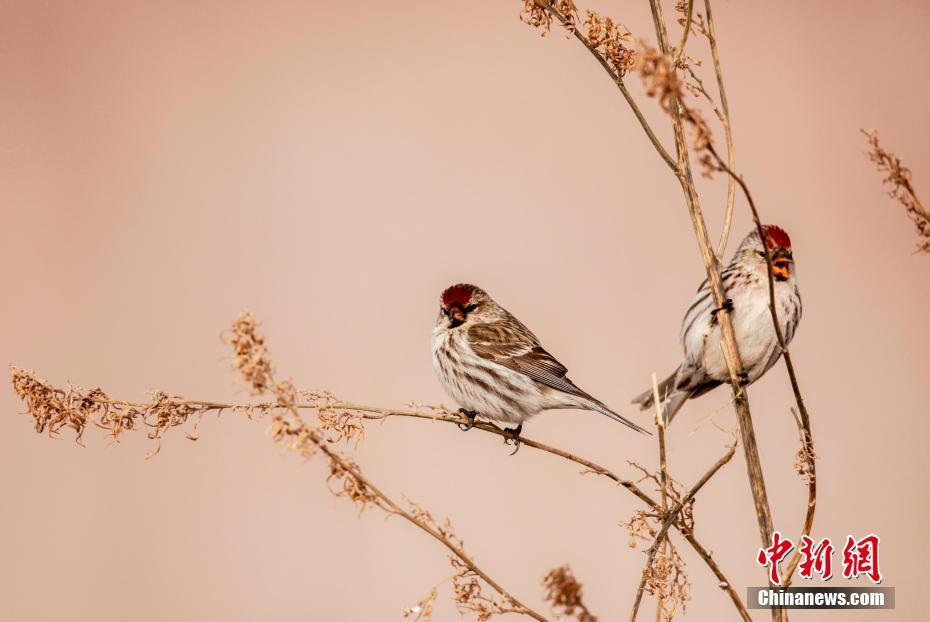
(35, 392)
(899, 180)
(684, 33)
(618, 80)
(804, 421)
(670, 520)
(731, 351)
(590, 467)
(722, 581)
(456, 550)
(663, 464)
(727, 130)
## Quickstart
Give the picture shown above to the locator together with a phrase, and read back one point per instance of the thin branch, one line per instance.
(616, 77)
(53, 408)
(722, 581)
(456, 550)
(727, 129)
(684, 34)
(670, 520)
(731, 350)
(901, 187)
(663, 468)
(804, 421)
(98, 408)
(712, 266)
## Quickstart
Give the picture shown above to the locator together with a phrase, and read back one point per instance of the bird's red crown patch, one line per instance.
(457, 295)
(776, 236)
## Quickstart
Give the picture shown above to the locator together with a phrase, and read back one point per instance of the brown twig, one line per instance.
(670, 519)
(615, 76)
(804, 421)
(663, 462)
(901, 187)
(727, 129)
(119, 416)
(684, 33)
(712, 266)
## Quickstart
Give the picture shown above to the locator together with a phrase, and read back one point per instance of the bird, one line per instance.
(745, 280)
(493, 366)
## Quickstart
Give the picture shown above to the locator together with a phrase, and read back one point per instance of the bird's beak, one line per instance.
(781, 267)
(456, 315)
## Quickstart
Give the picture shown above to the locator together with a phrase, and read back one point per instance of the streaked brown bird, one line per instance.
(493, 366)
(745, 280)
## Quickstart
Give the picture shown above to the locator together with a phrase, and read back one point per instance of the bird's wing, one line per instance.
(511, 344)
(700, 314)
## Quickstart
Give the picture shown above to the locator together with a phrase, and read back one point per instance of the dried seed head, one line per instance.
(658, 76)
(536, 16)
(900, 187)
(564, 594)
(609, 39)
(252, 360)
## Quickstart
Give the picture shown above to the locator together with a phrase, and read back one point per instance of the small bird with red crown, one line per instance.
(493, 366)
(745, 280)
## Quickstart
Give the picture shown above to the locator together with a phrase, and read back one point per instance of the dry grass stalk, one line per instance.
(802, 416)
(346, 478)
(569, 23)
(664, 575)
(53, 408)
(564, 594)
(900, 186)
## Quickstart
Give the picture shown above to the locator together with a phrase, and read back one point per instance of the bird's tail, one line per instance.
(601, 408)
(672, 399)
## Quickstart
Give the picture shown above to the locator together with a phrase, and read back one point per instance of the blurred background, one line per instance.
(332, 167)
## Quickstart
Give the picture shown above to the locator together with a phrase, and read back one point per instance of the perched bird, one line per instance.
(745, 280)
(493, 366)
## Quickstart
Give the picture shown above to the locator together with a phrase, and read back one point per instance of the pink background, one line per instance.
(332, 166)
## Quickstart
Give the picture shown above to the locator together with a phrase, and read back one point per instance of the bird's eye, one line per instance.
(470, 308)
(762, 254)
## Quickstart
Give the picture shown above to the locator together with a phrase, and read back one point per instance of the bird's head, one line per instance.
(461, 304)
(779, 246)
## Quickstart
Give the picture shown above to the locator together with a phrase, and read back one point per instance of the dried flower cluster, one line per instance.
(252, 360)
(609, 39)
(564, 594)
(659, 77)
(603, 35)
(667, 580)
(697, 20)
(469, 598)
(900, 188)
(53, 408)
(673, 489)
(664, 577)
(536, 14)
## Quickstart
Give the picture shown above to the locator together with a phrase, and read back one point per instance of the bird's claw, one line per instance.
(743, 378)
(726, 306)
(470, 415)
(513, 436)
